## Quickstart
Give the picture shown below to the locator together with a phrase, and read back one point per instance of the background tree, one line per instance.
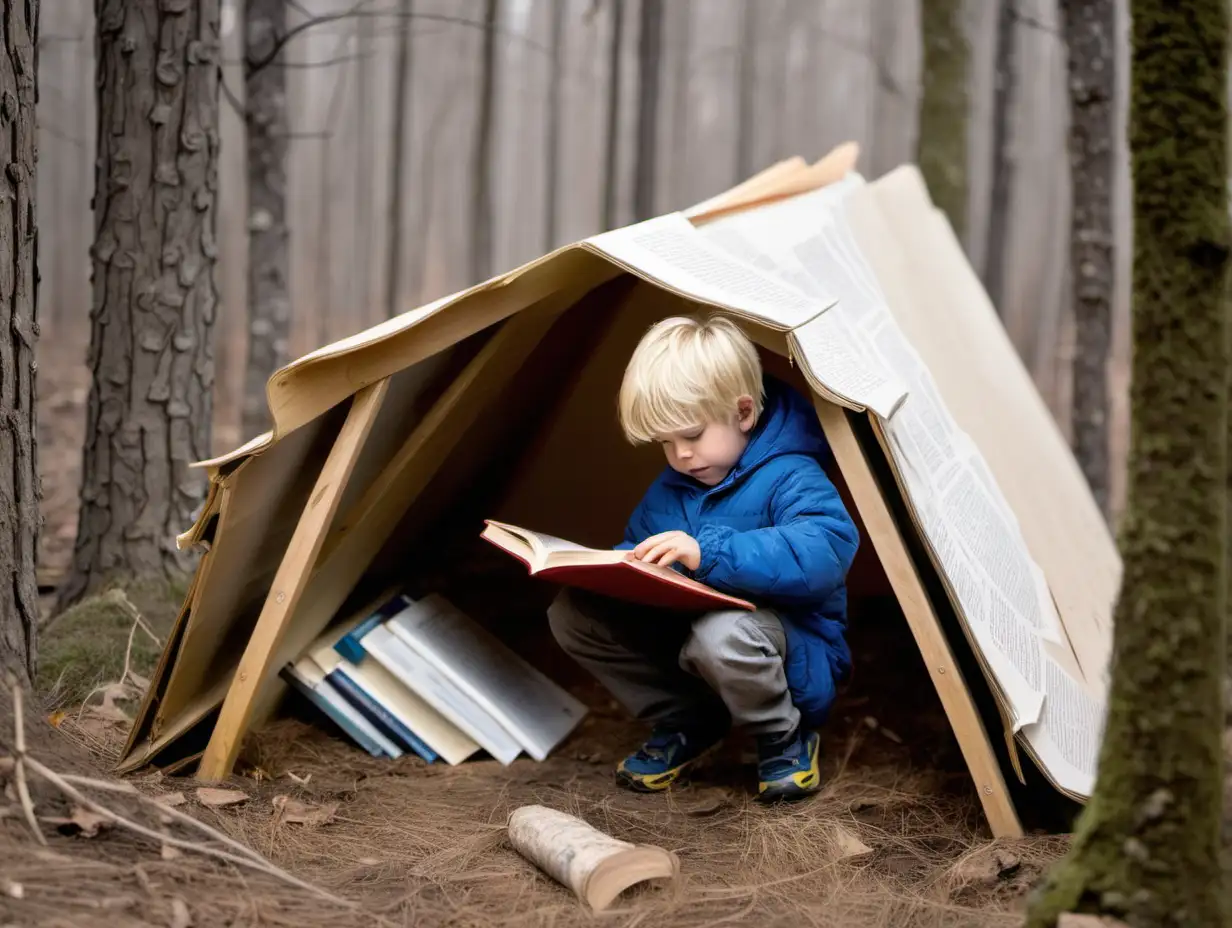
(398, 160)
(19, 482)
(1146, 846)
(155, 297)
(1000, 210)
(649, 66)
(481, 166)
(1088, 28)
(942, 151)
(267, 139)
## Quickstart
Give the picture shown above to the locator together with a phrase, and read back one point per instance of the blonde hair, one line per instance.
(687, 372)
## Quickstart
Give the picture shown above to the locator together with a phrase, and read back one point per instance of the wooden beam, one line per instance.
(917, 608)
(363, 529)
(258, 662)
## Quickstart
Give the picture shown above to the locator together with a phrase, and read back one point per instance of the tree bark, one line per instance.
(1002, 153)
(1089, 30)
(1146, 848)
(481, 170)
(650, 57)
(746, 89)
(265, 118)
(611, 153)
(155, 293)
(20, 490)
(942, 147)
(556, 82)
(397, 164)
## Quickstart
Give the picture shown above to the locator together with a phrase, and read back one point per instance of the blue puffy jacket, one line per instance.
(775, 531)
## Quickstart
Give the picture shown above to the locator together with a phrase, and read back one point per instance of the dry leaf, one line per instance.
(180, 916)
(848, 844)
(83, 823)
(57, 717)
(216, 798)
(171, 853)
(139, 681)
(171, 800)
(13, 890)
(302, 781)
(296, 812)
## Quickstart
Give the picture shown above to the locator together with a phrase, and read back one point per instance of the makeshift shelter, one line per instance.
(386, 444)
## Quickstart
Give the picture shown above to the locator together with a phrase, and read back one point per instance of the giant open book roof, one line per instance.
(861, 286)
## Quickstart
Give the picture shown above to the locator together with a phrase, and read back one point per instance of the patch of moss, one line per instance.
(84, 646)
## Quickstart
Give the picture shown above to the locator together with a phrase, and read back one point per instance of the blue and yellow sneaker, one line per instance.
(665, 758)
(788, 768)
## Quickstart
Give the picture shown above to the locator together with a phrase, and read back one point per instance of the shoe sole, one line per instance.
(796, 786)
(656, 783)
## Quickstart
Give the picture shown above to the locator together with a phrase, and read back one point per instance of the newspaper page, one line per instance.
(670, 250)
(798, 240)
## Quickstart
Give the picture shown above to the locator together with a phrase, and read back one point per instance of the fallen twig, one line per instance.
(171, 812)
(247, 861)
(119, 597)
(20, 760)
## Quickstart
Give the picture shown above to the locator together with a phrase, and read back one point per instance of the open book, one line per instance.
(612, 573)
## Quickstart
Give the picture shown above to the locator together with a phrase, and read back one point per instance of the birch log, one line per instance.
(596, 866)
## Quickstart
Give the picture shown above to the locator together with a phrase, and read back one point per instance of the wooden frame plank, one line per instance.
(258, 662)
(895, 560)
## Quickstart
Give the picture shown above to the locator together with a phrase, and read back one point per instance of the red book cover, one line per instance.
(610, 573)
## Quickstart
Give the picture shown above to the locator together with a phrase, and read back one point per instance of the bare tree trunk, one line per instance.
(155, 293)
(361, 260)
(1146, 849)
(481, 170)
(611, 154)
(266, 122)
(397, 163)
(746, 90)
(942, 153)
(20, 490)
(649, 58)
(1089, 28)
(1002, 153)
(552, 138)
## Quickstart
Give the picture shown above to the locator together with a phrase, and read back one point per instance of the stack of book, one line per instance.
(422, 676)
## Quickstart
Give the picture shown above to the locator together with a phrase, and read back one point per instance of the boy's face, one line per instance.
(709, 452)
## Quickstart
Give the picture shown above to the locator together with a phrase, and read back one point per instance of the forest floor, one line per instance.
(896, 838)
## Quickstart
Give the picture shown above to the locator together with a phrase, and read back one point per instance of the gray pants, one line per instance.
(681, 668)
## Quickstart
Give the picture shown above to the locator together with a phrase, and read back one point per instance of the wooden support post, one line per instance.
(947, 678)
(257, 665)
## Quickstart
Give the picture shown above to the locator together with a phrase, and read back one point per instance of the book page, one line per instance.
(670, 250)
(1067, 737)
(829, 348)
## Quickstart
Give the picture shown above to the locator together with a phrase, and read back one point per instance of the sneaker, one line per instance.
(664, 759)
(788, 768)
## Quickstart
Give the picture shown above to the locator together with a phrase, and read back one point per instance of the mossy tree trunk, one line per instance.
(1146, 848)
(155, 293)
(942, 147)
(19, 481)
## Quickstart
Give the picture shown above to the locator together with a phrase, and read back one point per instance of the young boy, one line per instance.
(745, 507)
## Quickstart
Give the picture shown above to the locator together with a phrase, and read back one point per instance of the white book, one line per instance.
(439, 691)
(532, 708)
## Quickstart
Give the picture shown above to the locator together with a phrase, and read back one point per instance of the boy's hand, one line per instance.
(666, 548)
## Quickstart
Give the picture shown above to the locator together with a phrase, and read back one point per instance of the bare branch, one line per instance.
(281, 41)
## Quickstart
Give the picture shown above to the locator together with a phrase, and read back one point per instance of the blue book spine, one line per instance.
(349, 645)
(377, 714)
(356, 734)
